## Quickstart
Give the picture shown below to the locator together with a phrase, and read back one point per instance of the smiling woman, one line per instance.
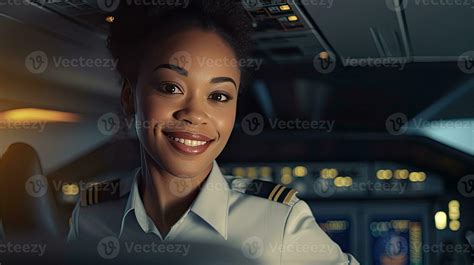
(185, 111)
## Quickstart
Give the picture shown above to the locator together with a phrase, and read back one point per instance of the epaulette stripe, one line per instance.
(274, 191)
(83, 200)
(289, 196)
(99, 192)
(283, 194)
(279, 193)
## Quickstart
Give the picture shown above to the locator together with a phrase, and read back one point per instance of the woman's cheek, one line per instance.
(225, 120)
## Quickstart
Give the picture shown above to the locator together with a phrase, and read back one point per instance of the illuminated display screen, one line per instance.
(338, 230)
(396, 241)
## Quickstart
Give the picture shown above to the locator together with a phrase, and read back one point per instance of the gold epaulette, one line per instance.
(95, 193)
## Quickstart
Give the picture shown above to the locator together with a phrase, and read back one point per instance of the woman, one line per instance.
(182, 80)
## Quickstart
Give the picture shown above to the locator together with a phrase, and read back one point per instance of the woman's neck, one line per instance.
(165, 196)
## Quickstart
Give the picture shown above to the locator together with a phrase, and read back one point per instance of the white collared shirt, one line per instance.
(270, 231)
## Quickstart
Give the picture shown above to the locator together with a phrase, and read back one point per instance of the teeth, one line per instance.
(187, 141)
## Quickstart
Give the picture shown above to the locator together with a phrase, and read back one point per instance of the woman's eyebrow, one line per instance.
(173, 67)
(223, 79)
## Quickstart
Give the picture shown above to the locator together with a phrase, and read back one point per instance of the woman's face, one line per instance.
(186, 100)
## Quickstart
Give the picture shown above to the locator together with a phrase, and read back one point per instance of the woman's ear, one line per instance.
(127, 98)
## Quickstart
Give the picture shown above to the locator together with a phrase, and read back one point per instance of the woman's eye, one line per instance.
(170, 88)
(219, 97)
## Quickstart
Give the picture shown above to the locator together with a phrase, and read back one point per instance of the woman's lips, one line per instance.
(189, 143)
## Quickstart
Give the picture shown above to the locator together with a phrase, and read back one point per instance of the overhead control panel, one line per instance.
(283, 32)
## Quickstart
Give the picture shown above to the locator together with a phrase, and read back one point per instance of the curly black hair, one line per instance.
(136, 26)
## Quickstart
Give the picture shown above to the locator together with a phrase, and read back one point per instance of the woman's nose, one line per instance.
(193, 113)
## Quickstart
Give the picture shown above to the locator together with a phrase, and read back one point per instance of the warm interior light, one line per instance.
(454, 225)
(300, 171)
(110, 19)
(285, 7)
(252, 172)
(238, 171)
(70, 189)
(286, 179)
(35, 115)
(286, 171)
(401, 174)
(266, 171)
(440, 220)
(453, 210)
(417, 176)
(343, 181)
(384, 174)
(292, 18)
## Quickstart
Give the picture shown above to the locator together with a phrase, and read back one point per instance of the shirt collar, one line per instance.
(211, 204)
(135, 203)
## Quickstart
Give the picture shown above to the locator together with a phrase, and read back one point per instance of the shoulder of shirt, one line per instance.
(263, 189)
